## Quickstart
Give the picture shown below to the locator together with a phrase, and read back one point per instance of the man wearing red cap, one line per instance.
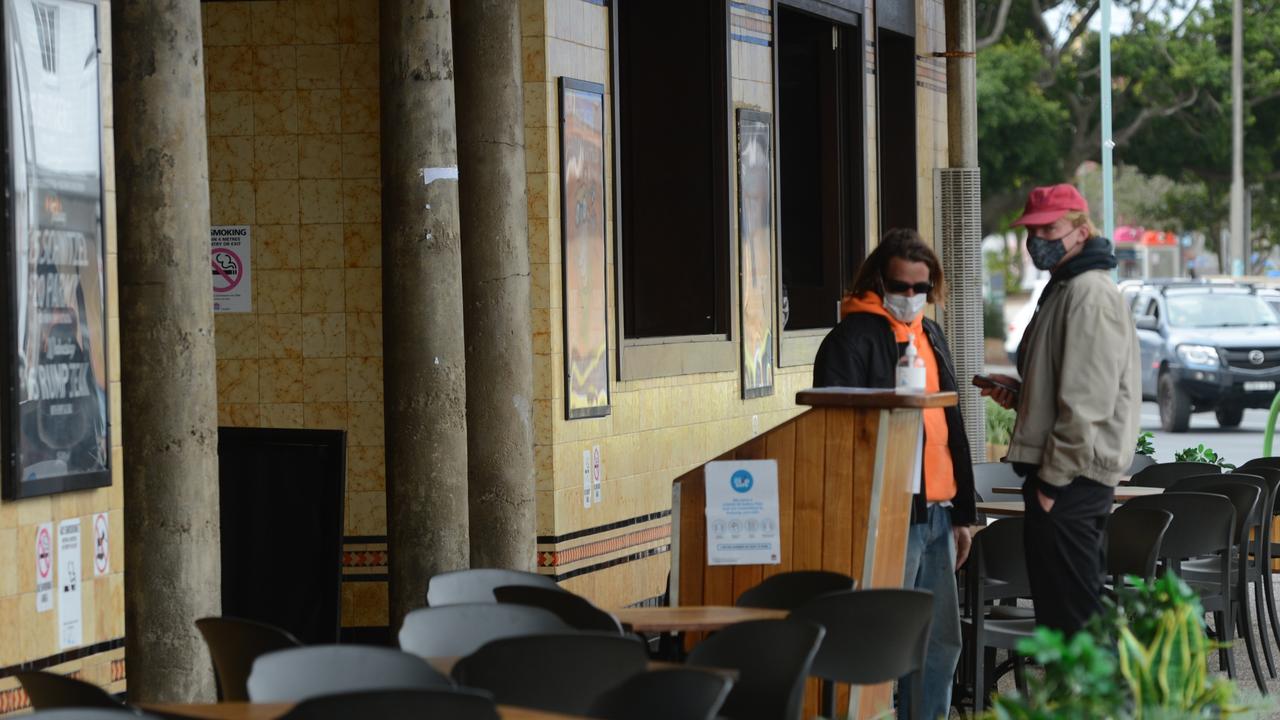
(1078, 407)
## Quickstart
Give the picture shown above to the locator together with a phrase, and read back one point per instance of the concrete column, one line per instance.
(423, 355)
(495, 282)
(167, 359)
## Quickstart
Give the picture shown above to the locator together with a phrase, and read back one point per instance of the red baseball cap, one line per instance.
(1046, 204)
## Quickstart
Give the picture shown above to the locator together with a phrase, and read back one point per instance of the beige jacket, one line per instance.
(1080, 405)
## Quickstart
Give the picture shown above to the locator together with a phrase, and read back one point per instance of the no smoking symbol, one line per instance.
(227, 270)
(44, 553)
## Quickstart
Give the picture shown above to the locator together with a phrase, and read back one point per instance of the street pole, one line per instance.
(1235, 252)
(1108, 197)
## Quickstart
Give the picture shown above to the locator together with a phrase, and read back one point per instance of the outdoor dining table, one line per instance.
(272, 711)
(1006, 508)
(1123, 492)
(690, 618)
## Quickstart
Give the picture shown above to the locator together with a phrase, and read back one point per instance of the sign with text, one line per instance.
(54, 402)
(229, 262)
(742, 513)
(70, 578)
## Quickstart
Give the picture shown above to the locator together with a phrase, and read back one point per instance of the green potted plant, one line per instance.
(1202, 454)
(999, 429)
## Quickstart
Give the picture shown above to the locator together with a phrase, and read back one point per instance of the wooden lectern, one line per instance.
(845, 476)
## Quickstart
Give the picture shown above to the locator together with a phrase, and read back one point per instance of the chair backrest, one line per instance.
(91, 714)
(997, 566)
(1269, 462)
(559, 673)
(576, 611)
(1163, 475)
(1203, 523)
(234, 644)
(302, 673)
(1134, 536)
(455, 704)
(772, 657)
(790, 590)
(990, 475)
(476, 585)
(458, 630)
(872, 636)
(1244, 491)
(1140, 462)
(675, 694)
(50, 690)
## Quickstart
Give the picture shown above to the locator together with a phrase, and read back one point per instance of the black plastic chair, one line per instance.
(1203, 524)
(234, 644)
(1250, 495)
(990, 475)
(872, 636)
(456, 704)
(772, 658)
(676, 694)
(790, 590)
(1272, 462)
(576, 611)
(1162, 475)
(1140, 462)
(302, 673)
(49, 691)
(1134, 536)
(458, 630)
(1268, 468)
(997, 570)
(559, 673)
(476, 585)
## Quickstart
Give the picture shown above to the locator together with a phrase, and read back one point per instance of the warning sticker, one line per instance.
(101, 545)
(44, 567)
(229, 262)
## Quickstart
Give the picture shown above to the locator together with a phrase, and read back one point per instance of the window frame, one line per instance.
(670, 356)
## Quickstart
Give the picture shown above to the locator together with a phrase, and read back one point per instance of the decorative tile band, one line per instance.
(64, 657)
(14, 700)
(560, 557)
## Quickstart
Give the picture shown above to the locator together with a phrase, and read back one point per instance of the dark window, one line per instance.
(673, 124)
(820, 99)
(896, 67)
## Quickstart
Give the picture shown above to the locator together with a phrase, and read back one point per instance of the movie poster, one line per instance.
(755, 238)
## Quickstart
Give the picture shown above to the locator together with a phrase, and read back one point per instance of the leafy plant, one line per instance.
(1145, 446)
(1202, 454)
(1144, 657)
(999, 423)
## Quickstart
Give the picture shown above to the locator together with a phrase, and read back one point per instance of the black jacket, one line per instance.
(862, 352)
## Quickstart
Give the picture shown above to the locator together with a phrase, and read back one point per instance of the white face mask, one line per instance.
(905, 307)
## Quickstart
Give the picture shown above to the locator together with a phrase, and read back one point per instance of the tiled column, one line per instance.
(423, 356)
(167, 350)
(495, 278)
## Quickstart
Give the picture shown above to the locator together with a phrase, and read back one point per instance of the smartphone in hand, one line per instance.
(987, 382)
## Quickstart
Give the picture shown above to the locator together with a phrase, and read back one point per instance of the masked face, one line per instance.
(1047, 251)
(905, 307)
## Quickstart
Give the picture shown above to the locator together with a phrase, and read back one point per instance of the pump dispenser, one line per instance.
(911, 373)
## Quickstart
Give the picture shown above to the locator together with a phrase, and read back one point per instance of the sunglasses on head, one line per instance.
(897, 286)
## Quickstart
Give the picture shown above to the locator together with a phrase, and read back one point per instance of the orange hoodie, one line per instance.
(939, 473)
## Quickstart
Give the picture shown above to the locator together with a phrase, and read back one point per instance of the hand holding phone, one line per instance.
(986, 382)
(1004, 390)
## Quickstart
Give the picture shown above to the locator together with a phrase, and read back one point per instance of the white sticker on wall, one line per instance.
(101, 545)
(229, 252)
(596, 473)
(44, 567)
(586, 478)
(70, 628)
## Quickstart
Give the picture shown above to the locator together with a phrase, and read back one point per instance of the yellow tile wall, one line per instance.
(292, 100)
(658, 428)
(30, 636)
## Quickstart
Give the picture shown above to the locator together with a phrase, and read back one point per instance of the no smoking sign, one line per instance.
(44, 567)
(229, 253)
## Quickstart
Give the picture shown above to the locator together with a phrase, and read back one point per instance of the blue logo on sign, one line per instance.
(741, 481)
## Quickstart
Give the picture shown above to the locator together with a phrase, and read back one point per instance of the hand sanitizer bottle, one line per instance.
(911, 375)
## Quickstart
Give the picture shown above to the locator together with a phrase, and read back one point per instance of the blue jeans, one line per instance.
(931, 565)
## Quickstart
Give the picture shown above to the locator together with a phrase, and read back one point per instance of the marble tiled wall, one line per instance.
(292, 99)
(28, 637)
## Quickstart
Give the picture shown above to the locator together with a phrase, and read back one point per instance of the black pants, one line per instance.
(1066, 551)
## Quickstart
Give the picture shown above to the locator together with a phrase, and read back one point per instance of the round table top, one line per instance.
(691, 618)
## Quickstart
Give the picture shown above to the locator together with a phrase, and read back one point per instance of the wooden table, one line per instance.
(691, 618)
(1008, 508)
(1123, 492)
(272, 711)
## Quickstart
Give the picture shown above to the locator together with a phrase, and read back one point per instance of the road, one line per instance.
(1237, 445)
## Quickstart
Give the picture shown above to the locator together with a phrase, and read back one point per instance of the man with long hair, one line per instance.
(883, 312)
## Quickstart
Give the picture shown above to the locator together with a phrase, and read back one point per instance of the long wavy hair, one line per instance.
(906, 244)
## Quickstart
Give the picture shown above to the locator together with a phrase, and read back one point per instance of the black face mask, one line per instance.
(1046, 253)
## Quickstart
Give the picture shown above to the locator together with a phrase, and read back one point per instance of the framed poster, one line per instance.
(53, 401)
(582, 225)
(755, 249)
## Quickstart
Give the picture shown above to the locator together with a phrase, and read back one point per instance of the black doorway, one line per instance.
(282, 498)
(821, 163)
